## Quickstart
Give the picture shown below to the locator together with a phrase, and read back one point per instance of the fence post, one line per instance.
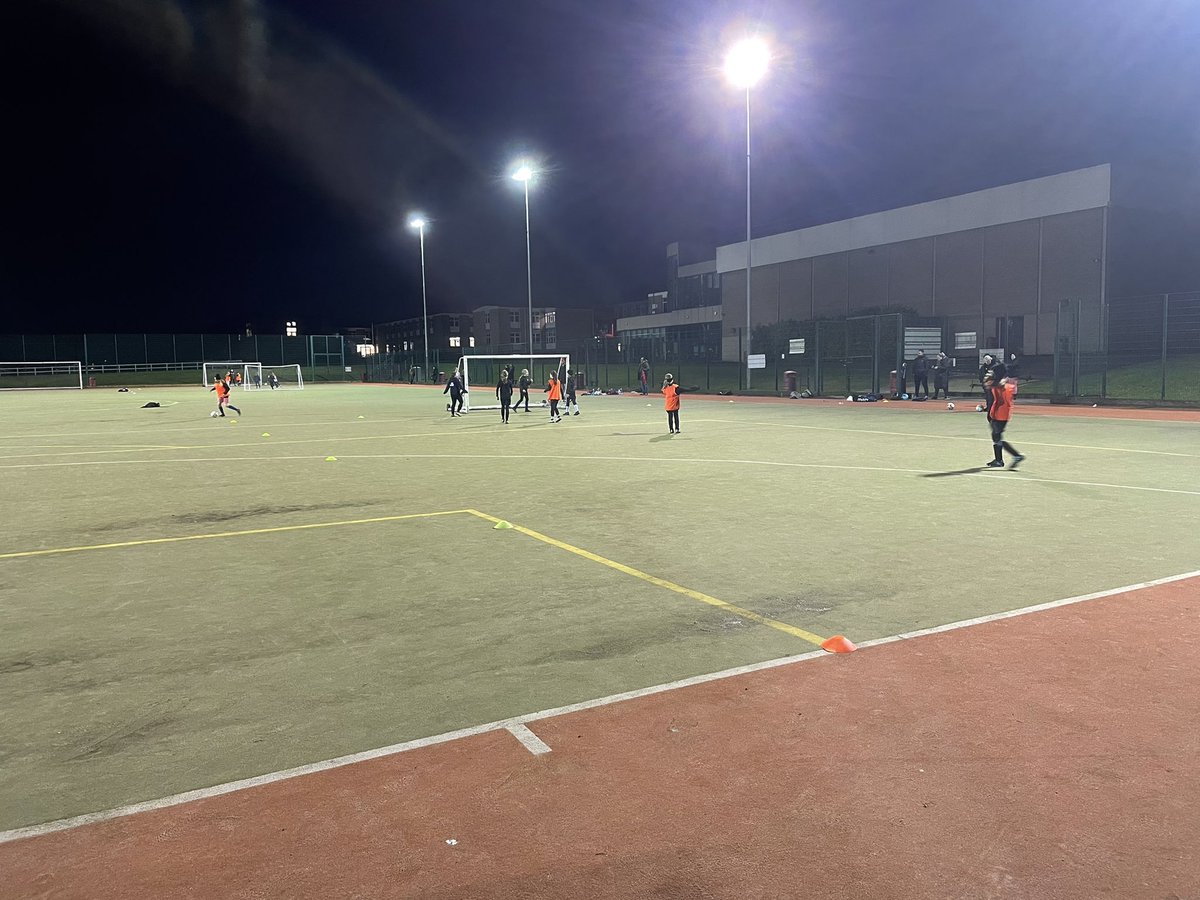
(1162, 393)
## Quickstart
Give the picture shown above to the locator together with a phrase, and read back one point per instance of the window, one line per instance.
(454, 323)
(514, 337)
(964, 340)
(472, 341)
(514, 318)
(549, 318)
(550, 340)
(456, 341)
(537, 339)
(487, 321)
(290, 329)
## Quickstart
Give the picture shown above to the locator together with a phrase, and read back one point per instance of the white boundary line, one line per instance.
(997, 477)
(514, 723)
(528, 739)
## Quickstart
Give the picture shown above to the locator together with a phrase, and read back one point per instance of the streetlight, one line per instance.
(523, 173)
(745, 65)
(419, 223)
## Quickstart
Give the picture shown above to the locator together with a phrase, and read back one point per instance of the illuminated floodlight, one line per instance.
(523, 172)
(746, 62)
(417, 222)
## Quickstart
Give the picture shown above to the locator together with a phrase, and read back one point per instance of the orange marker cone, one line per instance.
(838, 644)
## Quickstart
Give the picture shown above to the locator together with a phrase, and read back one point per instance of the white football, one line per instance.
(979, 408)
(949, 406)
(212, 415)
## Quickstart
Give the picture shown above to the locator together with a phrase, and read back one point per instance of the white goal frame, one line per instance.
(487, 390)
(229, 365)
(249, 371)
(297, 385)
(68, 368)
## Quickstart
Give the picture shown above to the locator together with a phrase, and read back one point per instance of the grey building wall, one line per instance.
(1001, 281)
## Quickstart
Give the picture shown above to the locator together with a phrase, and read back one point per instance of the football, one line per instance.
(949, 406)
(212, 415)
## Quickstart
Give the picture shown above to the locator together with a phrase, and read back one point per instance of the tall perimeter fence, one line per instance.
(1143, 349)
(120, 359)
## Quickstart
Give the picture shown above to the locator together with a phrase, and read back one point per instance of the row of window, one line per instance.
(540, 320)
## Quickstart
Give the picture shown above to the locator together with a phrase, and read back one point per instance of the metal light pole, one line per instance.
(419, 223)
(523, 174)
(745, 66)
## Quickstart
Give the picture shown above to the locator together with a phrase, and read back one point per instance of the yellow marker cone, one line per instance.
(362, 417)
(266, 434)
(331, 459)
(502, 525)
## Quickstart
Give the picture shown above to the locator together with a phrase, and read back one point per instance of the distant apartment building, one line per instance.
(506, 329)
(449, 334)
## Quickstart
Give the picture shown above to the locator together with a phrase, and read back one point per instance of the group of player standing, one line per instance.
(560, 388)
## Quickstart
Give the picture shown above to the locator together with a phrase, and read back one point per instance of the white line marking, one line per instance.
(924, 436)
(528, 739)
(998, 477)
(1026, 610)
(509, 723)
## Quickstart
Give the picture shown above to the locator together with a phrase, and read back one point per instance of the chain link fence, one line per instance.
(178, 358)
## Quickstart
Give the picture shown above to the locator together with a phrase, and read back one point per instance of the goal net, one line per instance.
(482, 373)
(252, 377)
(45, 376)
(283, 378)
(211, 372)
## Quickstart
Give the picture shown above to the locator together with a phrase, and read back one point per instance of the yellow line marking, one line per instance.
(228, 534)
(578, 551)
(662, 582)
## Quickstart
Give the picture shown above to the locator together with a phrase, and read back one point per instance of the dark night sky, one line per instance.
(188, 165)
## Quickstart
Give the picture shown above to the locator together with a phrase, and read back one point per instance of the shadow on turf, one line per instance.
(970, 471)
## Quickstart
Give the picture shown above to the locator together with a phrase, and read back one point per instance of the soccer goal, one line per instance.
(252, 377)
(41, 376)
(214, 371)
(482, 373)
(283, 378)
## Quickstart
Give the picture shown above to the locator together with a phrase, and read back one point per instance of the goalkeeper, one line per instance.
(524, 383)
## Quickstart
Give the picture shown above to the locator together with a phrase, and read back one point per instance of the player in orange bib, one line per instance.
(670, 392)
(554, 389)
(222, 389)
(999, 411)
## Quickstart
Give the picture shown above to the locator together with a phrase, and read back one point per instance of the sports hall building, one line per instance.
(1028, 267)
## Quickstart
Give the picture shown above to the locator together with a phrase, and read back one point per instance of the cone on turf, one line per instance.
(502, 525)
(838, 644)
(331, 459)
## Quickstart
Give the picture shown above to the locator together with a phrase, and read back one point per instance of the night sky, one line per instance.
(184, 165)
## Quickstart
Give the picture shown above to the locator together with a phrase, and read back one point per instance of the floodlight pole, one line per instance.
(529, 273)
(749, 257)
(424, 302)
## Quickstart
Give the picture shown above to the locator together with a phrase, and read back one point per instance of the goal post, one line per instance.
(283, 378)
(41, 376)
(252, 376)
(211, 372)
(480, 375)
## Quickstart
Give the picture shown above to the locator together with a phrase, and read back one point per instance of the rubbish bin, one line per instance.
(892, 384)
(441, 377)
(789, 382)
(581, 379)
(91, 381)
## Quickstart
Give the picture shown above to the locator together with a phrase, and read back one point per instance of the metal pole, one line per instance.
(424, 303)
(749, 259)
(529, 273)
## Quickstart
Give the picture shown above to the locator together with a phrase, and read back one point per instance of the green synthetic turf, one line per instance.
(135, 672)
